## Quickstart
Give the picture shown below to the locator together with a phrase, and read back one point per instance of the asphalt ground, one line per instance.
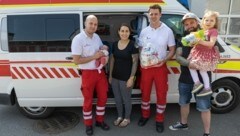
(12, 123)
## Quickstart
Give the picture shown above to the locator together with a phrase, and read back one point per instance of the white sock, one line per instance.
(205, 78)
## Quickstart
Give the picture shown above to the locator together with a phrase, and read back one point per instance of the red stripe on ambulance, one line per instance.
(175, 70)
(168, 71)
(14, 76)
(226, 71)
(18, 73)
(4, 61)
(64, 72)
(39, 73)
(32, 72)
(5, 68)
(19, 2)
(48, 73)
(25, 72)
(73, 72)
(56, 72)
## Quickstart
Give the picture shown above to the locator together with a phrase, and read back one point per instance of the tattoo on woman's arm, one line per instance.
(134, 64)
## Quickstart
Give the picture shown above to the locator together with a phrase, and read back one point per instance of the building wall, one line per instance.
(229, 27)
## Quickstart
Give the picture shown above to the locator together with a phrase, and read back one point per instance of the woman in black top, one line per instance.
(123, 66)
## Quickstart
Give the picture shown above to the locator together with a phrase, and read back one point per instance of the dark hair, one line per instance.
(125, 24)
(155, 6)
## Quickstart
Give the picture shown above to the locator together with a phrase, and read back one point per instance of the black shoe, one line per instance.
(102, 125)
(142, 121)
(206, 134)
(89, 130)
(159, 127)
(179, 126)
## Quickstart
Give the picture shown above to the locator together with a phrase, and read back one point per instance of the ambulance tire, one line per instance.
(36, 112)
(225, 97)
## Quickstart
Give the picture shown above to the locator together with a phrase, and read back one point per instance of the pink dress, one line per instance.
(203, 57)
(101, 60)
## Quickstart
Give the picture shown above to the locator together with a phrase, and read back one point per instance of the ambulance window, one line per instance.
(3, 34)
(108, 25)
(42, 33)
(174, 22)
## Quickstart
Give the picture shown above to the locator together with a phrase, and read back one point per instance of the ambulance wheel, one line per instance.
(36, 112)
(225, 97)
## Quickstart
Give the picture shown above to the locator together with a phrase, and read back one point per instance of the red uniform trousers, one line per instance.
(160, 77)
(92, 80)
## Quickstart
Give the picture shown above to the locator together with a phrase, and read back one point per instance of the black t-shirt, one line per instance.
(185, 76)
(122, 66)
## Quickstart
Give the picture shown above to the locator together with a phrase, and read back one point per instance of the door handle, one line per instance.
(69, 58)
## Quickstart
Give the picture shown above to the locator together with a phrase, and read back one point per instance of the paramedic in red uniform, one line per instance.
(85, 51)
(161, 37)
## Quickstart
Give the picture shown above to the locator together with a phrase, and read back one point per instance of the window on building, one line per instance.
(235, 7)
(234, 26)
(222, 28)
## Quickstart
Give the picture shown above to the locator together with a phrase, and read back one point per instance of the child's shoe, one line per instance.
(197, 87)
(204, 92)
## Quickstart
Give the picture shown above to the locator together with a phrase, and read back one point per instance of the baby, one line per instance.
(102, 60)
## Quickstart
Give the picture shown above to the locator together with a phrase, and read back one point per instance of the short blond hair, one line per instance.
(209, 13)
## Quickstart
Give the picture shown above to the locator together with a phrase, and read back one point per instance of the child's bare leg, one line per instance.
(205, 78)
(207, 89)
(194, 75)
(197, 85)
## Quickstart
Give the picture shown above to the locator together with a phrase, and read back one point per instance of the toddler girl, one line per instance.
(203, 55)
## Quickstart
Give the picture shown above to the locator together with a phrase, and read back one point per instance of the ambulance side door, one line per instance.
(39, 45)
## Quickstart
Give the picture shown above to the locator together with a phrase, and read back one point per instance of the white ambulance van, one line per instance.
(36, 70)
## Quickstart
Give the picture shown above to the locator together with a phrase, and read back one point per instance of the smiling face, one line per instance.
(190, 25)
(91, 24)
(124, 32)
(154, 16)
(209, 22)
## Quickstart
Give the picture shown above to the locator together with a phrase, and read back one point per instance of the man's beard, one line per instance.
(191, 30)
